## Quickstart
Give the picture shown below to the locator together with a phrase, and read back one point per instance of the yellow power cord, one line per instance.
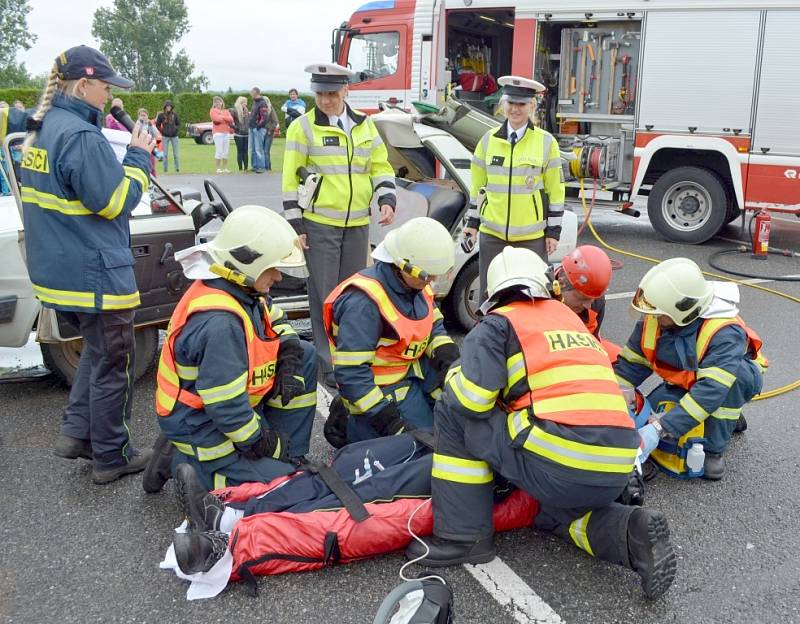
(759, 397)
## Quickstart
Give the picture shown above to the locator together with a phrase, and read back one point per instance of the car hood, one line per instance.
(465, 122)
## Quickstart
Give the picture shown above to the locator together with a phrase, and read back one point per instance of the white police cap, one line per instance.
(328, 77)
(518, 89)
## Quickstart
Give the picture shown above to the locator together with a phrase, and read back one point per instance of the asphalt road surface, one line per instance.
(76, 552)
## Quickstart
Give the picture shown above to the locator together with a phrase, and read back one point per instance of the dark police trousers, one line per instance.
(100, 401)
(585, 515)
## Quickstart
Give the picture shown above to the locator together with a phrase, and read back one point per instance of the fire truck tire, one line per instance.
(463, 299)
(688, 205)
(62, 358)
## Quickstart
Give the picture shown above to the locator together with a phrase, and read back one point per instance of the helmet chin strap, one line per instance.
(230, 273)
(414, 271)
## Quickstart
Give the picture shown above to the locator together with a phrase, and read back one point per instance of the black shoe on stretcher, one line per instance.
(650, 551)
(198, 552)
(202, 510)
(444, 552)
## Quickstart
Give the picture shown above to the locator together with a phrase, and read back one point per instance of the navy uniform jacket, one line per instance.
(361, 327)
(726, 362)
(77, 199)
(11, 121)
(214, 343)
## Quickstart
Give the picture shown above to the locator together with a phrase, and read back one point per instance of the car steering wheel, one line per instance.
(222, 205)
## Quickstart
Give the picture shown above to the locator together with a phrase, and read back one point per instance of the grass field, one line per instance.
(196, 158)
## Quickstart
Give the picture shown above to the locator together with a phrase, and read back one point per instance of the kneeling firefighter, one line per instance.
(389, 347)
(711, 363)
(535, 400)
(236, 390)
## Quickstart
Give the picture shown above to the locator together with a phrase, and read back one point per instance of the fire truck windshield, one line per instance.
(373, 55)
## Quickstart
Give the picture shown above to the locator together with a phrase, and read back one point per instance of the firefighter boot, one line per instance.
(198, 552)
(72, 448)
(650, 551)
(159, 468)
(202, 509)
(137, 461)
(741, 424)
(633, 494)
(714, 466)
(437, 552)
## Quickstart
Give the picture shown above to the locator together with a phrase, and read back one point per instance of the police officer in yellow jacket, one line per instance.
(513, 165)
(535, 400)
(343, 147)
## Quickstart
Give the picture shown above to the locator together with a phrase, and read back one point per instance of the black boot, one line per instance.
(137, 461)
(72, 448)
(741, 424)
(649, 470)
(202, 509)
(159, 469)
(444, 552)
(714, 466)
(198, 552)
(335, 428)
(650, 551)
(633, 494)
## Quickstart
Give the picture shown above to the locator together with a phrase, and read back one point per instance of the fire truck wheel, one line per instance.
(62, 358)
(463, 300)
(688, 205)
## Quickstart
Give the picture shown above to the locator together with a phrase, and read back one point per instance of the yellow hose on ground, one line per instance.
(759, 397)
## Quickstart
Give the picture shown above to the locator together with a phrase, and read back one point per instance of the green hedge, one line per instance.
(191, 107)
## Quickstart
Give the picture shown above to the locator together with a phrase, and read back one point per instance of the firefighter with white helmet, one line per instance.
(236, 391)
(513, 169)
(536, 401)
(389, 346)
(710, 361)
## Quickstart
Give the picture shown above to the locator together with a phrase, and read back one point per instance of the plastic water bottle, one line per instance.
(695, 458)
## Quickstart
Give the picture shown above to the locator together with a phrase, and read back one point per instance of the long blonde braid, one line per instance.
(45, 103)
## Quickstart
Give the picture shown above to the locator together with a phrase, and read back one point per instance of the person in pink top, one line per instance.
(222, 128)
(110, 121)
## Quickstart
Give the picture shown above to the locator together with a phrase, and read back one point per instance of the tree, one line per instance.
(140, 37)
(14, 26)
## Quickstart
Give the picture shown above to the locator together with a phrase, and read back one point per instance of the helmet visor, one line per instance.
(294, 264)
(641, 304)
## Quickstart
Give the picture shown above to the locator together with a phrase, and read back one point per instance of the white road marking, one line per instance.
(495, 577)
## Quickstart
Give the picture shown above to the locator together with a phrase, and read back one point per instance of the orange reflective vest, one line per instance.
(651, 332)
(393, 357)
(262, 355)
(572, 384)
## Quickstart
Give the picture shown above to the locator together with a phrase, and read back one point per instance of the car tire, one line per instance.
(207, 138)
(688, 205)
(61, 358)
(198, 140)
(464, 297)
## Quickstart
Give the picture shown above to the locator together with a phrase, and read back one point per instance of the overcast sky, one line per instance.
(235, 43)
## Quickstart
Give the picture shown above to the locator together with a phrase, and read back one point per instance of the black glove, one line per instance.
(289, 382)
(335, 429)
(442, 360)
(270, 444)
(388, 421)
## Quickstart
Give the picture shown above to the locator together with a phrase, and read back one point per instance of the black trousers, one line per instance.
(100, 401)
(241, 151)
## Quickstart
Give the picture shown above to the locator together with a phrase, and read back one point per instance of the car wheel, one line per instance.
(463, 300)
(688, 205)
(199, 140)
(207, 138)
(62, 358)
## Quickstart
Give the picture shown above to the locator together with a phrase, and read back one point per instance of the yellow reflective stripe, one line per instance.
(302, 400)
(189, 373)
(164, 401)
(727, 413)
(224, 302)
(437, 342)
(120, 302)
(352, 358)
(634, 358)
(583, 401)
(437, 315)
(517, 422)
(245, 431)
(693, 408)
(74, 298)
(284, 330)
(140, 176)
(276, 454)
(386, 342)
(380, 297)
(435, 393)
(579, 455)
(401, 393)
(720, 375)
(3, 122)
(389, 378)
(275, 314)
(649, 331)
(215, 452)
(184, 448)
(564, 374)
(460, 470)
(707, 331)
(624, 382)
(452, 373)
(48, 201)
(224, 392)
(369, 400)
(220, 481)
(170, 375)
(117, 201)
(577, 531)
(471, 395)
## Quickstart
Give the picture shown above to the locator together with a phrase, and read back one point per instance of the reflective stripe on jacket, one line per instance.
(514, 177)
(76, 200)
(353, 166)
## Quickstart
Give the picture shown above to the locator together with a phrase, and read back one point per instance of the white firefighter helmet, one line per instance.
(515, 266)
(675, 288)
(253, 239)
(421, 247)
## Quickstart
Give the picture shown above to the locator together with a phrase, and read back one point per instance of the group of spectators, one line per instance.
(253, 129)
(164, 130)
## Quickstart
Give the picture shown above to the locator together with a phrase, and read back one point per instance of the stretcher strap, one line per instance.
(423, 437)
(352, 503)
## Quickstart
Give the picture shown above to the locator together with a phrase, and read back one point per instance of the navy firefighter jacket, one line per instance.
(77, 199)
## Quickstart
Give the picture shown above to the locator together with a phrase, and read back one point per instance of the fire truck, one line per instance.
(692, 103)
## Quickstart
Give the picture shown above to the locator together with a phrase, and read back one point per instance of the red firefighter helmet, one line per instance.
(588, 270)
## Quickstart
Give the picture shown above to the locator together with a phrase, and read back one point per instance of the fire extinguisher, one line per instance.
(761, 223)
